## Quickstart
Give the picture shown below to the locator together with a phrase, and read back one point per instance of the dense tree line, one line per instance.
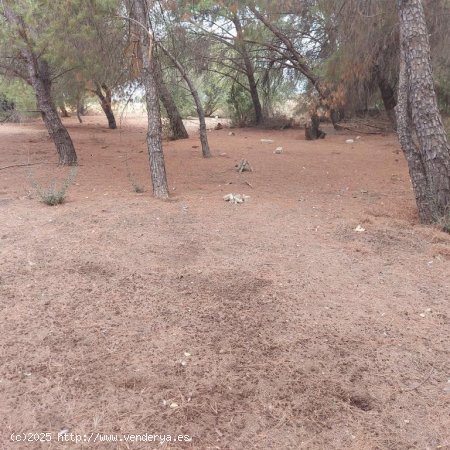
(342, 56)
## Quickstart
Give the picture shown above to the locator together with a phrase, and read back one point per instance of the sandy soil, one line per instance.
(267, 325)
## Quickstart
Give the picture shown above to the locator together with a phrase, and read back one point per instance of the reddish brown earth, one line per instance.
(302, 333)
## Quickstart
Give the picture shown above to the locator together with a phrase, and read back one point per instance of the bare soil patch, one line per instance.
(270, 324)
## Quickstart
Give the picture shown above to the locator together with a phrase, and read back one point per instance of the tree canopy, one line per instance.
(248, 60)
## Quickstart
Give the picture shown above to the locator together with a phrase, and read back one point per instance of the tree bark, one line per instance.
(41, 83)
(387, 95)
(249, 70)
(176, 122)
(312, 129)
(154, 139)
(40, 80)
(79, 109)
(410, 149)
(198, 104)
(104, 94)
(64, 112)
(419, 113)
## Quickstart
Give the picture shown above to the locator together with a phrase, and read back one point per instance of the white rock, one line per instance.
(236, 198)
(278, 150)
(267, 141)
(359, 229)
(230, 133)
(173, 405)
(349, 141)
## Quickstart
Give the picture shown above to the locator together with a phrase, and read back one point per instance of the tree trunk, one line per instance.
(198, 104)
(249, 70)
(299, 63)
(410, 149)
(432, 183)
(79, 110)
(105, 102)
(154, 141)
(40, 80)
(387, 95)
(312, 129)
(176, 122)
(64, 112)
(41, 83)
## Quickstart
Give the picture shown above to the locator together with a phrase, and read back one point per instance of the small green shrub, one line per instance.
(240, 106)
(137, 187)
(53, 194)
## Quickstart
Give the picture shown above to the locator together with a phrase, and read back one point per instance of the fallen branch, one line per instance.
(341, 127)
(22, 165)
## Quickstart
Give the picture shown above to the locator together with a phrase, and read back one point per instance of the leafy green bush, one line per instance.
(240, 106)
(17, 100)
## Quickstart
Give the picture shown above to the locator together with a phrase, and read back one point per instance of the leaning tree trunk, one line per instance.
(105, 102)
(176, 122)
(40, 80)
(154, 138)
(198, 104)
(249, 70)
(420, 115)
(41, 83)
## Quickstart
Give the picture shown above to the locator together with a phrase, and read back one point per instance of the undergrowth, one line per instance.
(54, 193)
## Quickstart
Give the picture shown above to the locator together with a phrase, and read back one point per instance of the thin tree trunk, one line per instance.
(249, 70)
(176, 122)
(200, 112)
(64, 112)
(425, 120)
(105, 102)
(154, 140)
(79, 110)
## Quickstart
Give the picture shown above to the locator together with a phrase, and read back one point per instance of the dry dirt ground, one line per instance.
(266, 325)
